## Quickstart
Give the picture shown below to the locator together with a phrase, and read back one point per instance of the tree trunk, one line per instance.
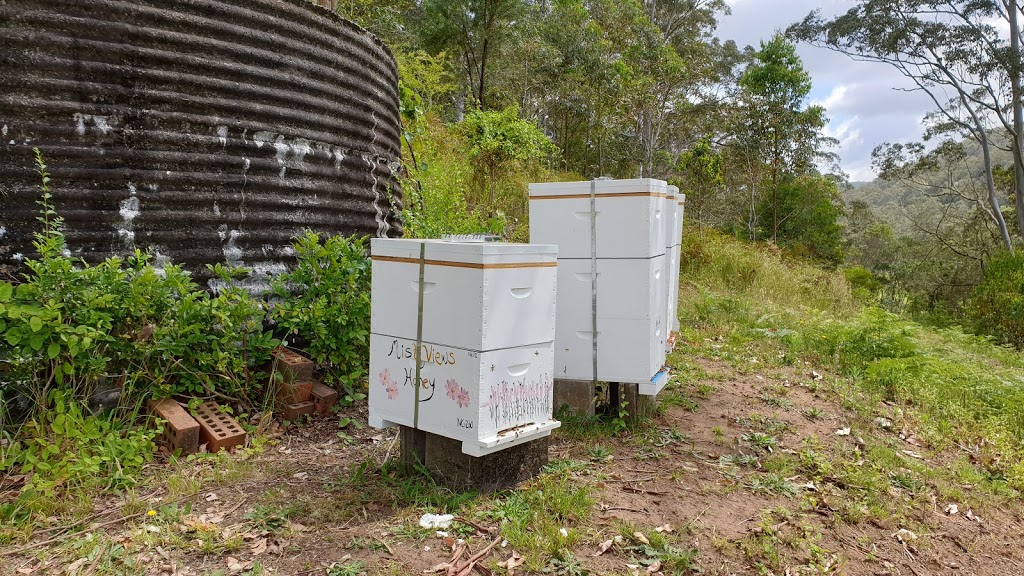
(993, 198)
(1018, 113)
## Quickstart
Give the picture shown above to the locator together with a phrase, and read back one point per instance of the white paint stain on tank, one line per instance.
(216, 209)
(245, 165)
(4, 130)
(281, 147)
(263, 137)
(102, 123)
(299, 149)
(3, 231)
(18, 257)
(232, 252)
(222, 231)
(222, 134)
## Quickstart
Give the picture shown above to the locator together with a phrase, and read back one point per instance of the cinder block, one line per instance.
(294, 392)
(498, 471)
(181, 431)
(293, 412)
(294, 366)
(638, 406)
(324, 398)
(412, 446)
(219, 431)
(578, 395)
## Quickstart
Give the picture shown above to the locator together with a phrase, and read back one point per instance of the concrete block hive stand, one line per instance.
(465, 368)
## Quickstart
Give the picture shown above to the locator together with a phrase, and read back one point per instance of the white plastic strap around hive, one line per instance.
(471, 238)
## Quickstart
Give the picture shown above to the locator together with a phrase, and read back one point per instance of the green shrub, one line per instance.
(325, 306)
(66, 449)
(996, 306)
(864, 284)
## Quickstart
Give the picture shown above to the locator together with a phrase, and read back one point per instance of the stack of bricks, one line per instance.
(299, 392)
(184, 433)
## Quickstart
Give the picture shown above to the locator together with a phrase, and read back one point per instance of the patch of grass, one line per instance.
(761, 440)
(660, 550)
(772, 484)
(540, 519)
(599, 453)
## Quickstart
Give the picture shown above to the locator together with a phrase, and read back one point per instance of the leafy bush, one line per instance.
(67, 449)
(997, 305)
(326, 305)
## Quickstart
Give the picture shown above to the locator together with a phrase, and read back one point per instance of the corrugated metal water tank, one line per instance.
(206, 130)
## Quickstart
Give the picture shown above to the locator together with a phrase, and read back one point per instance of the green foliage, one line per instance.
(67, 449)
(436, 201)
(325, 306)
(499, 143)
(533, 518)
(71, 330)
(864, 284)
(997, 304)
(808, 211)
(729, 266)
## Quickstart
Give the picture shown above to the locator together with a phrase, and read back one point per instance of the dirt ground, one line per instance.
(311, 502)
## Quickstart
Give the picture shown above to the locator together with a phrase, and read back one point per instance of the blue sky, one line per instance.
(864, 109)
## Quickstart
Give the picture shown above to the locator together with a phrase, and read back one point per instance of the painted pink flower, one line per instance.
(452, 389)
(463, 398)
(392, 391)
(385, 377)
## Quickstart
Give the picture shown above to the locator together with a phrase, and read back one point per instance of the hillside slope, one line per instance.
(802, 434)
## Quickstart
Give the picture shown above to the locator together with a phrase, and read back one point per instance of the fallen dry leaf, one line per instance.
(952, 509)
(843, 432)
(639, 537)
(258, 547)
(75, 566)
(604, 547)
(904, 535)
(654, 567)
(665, 528)
(211, 497)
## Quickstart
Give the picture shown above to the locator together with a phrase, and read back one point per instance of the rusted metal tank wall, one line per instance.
(205, 130)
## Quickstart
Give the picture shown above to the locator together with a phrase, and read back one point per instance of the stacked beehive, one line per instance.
(676, 253)
(613, 230)
(673, 240)
(461, 340)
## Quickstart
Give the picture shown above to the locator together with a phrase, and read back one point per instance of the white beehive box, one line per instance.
(476, 296)
(630, 217)
(628, 288)
(488, 400)
(626, 350)
(672, 218)
(676, 253)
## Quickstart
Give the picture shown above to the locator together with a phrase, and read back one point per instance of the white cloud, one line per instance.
(860, 98)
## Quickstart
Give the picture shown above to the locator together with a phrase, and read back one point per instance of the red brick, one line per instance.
(294, 392)
(181, 431)
(292, 365)
(218, 430)
(293, 412)
(324, 398)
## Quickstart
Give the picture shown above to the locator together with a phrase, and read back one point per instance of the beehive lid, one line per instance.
(474, 254)
(603, 188)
